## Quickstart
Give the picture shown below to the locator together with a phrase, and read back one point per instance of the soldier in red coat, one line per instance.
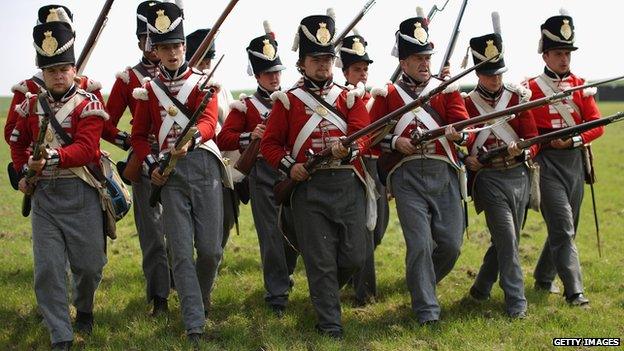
(328, 204)
(354, 62)
(244, 125)
(190, 196)
(35, 84)
(147, 219)
(561, 161)
(67, 218)
(501, 188)
(426, 182)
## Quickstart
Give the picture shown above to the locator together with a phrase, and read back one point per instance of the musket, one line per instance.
(354, 22)
(283, 189)
(487, 156)
(98, 26)
(36, 155)
(451, 45)
(248, 157)
(434, 9)
(168, 163)
(198, 56)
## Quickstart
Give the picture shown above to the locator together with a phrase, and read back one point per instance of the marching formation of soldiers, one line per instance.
(186, 193)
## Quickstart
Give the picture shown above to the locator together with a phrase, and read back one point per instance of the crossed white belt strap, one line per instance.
(426, 119)
(263, 110)
(165, 101)
(316, 118)
(502, 130)
(548, 89)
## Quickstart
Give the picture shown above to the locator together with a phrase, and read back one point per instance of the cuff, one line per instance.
(463, 140)
(577, 141)
(286, 164)
(122, 140)
(244, 139)
(196, 141)
(22, 173)
(388, 143)
(354, 152)
(152, 164)
(52, 158)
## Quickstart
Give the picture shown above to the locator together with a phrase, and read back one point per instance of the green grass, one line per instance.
(241, 322)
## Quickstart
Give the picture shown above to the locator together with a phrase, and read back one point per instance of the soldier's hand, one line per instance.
(561, 144)
(157, 178)
(258, 132)
(181, 152)
(36, 166)
(513, 149)
(298, 172)
(473, 163)
(25, 187)
(451, 134)
(446, 72)
(339, 151)
(404, 145)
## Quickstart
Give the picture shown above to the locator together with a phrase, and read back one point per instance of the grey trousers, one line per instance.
(365, 281)
(67, 225)
(562, 187)
(430, 210)
(503, 195)
(231, 210)
(149, 226)
(277, 256)
(192, 217)
(330, 223)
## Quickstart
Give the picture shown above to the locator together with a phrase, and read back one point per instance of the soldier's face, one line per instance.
(558, 60)
(357, 72)
(269, 81)
(171, 55)
(491, 82)
(150, 55)
(58, 79)
(318, 68)
(417, 66)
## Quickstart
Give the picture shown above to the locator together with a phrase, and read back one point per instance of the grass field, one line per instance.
(240, 320)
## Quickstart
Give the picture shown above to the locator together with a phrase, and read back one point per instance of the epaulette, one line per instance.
(124, 75)
(94, 108)
(451, 88)
(140, 94)
(381, 91)
(281, 96)
(524, 93)
(591, 91)
(23, 109)
(355, 91)
(20, 87)
(464, 94)
(93, 85)
(240, 104)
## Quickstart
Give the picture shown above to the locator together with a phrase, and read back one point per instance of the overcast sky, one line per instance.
(598, 34)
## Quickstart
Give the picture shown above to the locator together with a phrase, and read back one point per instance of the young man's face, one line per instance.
(491, 82)
(319, 68)
(558, 60)
(269, 81)
(417, 66)
(357, 72)
(150, 55)
(171, 55)
(58, 79)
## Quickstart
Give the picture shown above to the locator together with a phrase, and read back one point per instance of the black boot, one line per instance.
(84, 322)
(61, 346)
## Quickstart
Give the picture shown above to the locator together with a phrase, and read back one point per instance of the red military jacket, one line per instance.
(121, 98)
(150, 114)
(34, 85)
(449, 105)
(548, 119)
(83, 124)
(290, 114)
(242, 120)
(523, 124)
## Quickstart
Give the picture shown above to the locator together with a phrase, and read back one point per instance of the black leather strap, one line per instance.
(183, 108)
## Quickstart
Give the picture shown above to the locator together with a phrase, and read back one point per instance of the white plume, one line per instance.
(496, 23)
(420, 12)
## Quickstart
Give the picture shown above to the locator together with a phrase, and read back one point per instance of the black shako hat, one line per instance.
(54, 43)
(485, 47)
(53, 13)
(315, 36)
(352, 50)
(193, 41)
(412, 38)
(263, 55)
(557, 33)
(164, 24)
(141, 14)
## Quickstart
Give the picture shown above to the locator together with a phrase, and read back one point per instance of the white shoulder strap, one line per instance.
(138, 74)
(263, 110)
(315, 119)
(502, 130)
(562, 109)
(168, 121)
